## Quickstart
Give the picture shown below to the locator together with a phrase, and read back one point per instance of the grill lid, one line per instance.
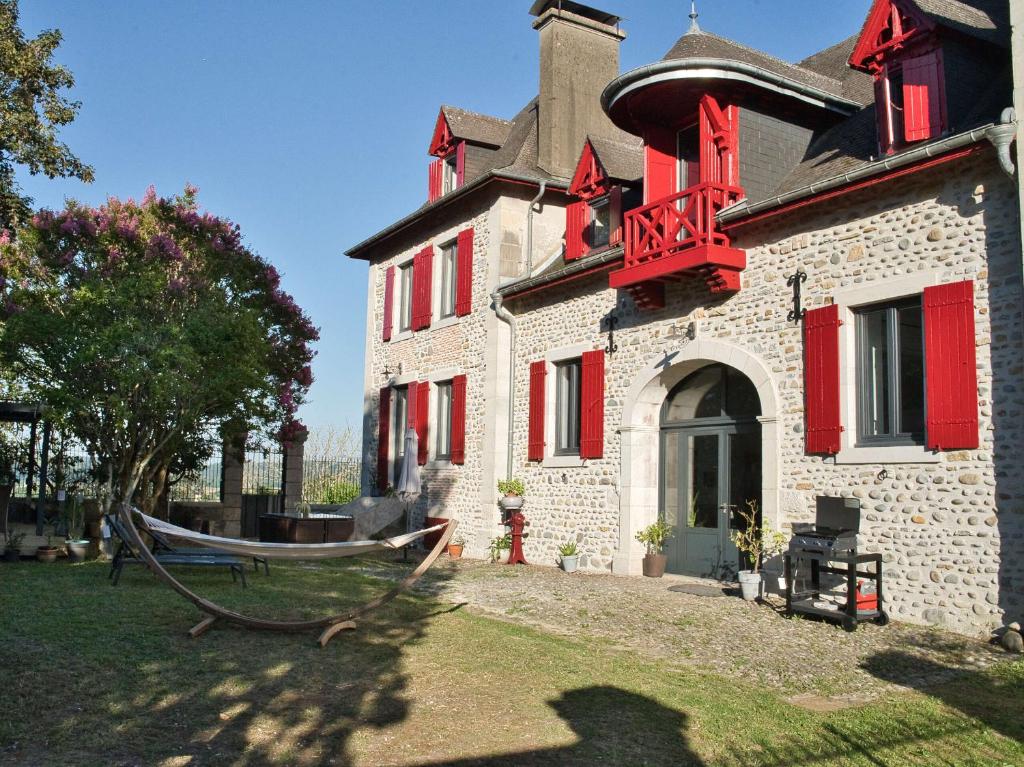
(839, 514)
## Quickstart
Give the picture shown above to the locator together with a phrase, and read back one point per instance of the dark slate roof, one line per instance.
(475, 127)
(985, 19)
(622, 159)
(518, 154)
(833, 62)
(701, 44)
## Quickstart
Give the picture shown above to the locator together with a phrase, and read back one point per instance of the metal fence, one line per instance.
(261, 474)
(203, 485)
(330, 480)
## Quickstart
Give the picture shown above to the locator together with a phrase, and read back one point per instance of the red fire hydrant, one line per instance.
(516, 521)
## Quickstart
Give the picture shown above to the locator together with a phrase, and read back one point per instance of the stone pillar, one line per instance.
(291, 472)
(233, 459)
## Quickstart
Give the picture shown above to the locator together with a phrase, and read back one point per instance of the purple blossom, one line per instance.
(163, 245)
(177, 286)
(5, 237)
(150, 196)
(69, 226)
(43, 219)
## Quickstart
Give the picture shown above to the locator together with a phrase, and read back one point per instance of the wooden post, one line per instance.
(43, 468)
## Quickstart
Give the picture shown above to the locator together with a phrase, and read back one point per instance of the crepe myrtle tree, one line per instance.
(146, 326)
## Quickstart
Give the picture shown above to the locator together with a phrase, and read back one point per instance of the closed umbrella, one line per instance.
(409, 477)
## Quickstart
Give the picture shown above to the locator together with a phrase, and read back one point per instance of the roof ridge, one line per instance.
(767, 55)
(471, 113)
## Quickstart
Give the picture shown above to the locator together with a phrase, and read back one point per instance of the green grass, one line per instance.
(94, 675)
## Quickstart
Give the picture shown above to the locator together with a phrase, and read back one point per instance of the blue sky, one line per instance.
(308, 122)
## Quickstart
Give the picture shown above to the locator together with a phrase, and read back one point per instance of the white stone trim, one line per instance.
(566, 353)
(562, 462)
(888, 289)
(887, 454)
(640, 432)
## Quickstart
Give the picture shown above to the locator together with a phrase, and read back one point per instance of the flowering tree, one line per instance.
(146, 326)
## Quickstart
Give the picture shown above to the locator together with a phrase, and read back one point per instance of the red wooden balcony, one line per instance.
(676, 235)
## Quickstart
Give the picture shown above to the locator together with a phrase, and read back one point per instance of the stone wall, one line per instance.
(949, 525)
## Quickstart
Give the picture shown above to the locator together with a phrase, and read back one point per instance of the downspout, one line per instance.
(1001, 136)
(504, 315)
(529, 234)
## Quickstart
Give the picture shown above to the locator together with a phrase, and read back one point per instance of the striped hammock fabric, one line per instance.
(283, 550)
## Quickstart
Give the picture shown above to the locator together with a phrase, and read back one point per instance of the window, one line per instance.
(443, 451)
(910, 100)
(405, 297)
(450, 171)
(890, 374)
(600, 223)
(449, 278)
(567, 408)
(401, 415)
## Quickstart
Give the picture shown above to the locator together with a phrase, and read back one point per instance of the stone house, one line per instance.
(722, 278)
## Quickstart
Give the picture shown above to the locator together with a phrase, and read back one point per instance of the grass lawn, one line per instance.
(94, 675)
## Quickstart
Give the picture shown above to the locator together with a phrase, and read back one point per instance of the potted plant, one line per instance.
(512, 494)
(76, 543)
(47, 553)
(500, 548)
(569, 554)
(755, 541)
(653, 537)
(456, 546)
(12, 551)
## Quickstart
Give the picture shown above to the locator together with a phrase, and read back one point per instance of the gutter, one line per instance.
(458, 194)
(576, 268)
(703, 68)
(505, 316)
(745, 209)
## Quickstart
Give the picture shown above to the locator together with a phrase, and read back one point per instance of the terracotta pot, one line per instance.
(47, 553)
(654, 565)
(455, 550)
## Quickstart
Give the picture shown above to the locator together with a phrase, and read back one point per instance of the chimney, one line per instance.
(579, 56)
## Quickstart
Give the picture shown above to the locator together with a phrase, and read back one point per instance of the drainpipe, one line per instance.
(504, 315)
(529, 232)
(1001, 136)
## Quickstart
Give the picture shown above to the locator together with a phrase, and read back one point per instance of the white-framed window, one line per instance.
(890, 373)
(567, 407)
(443, 427)
(600, 223)
(449, 279)
(400, 414)
(405, 297)
(450, 173)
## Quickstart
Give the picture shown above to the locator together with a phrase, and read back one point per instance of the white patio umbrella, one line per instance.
(408, 489)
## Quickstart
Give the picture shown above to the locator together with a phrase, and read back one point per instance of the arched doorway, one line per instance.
(710, 465)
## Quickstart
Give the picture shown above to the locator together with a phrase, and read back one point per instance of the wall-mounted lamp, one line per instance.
(387, 372)
(684, 335)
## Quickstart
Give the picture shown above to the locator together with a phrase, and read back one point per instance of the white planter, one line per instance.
(750, 584)
(502, 558)
(570, 563)
(510, 502)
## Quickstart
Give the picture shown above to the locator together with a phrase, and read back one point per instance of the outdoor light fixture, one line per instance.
(689, 334)
(388, 372)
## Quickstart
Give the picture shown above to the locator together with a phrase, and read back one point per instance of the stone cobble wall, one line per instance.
(951, 531)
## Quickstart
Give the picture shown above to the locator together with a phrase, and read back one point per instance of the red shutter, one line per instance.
(460, 164)
(577, 215)
(434, 180)
(592, 405)
(389, 301)
(422, 289)
(422, 411)
(951, 377)
(615, 204)
(538, 371)
(660, 164)
(464, 274)
(458, 444)
(922, 97)
(383, 438)
(822, 421)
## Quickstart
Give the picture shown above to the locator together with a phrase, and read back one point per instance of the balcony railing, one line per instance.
(677, 223)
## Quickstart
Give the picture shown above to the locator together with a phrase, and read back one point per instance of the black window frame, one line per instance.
(896, 435)
(567, 437)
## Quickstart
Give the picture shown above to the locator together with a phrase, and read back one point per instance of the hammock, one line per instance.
(331, 625)
(283, 550)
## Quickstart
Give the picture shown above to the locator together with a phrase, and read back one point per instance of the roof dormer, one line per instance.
(457, 132)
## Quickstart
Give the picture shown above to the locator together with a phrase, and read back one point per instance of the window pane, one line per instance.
(444, 419)
(600, 223)
(911, 370)
(449, 265)
(398, 432)
(567, 408)
(405, 315)
(874, 376)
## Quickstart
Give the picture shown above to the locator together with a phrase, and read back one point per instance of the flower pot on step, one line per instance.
(654, 565)
(47, 553)
(750, 584)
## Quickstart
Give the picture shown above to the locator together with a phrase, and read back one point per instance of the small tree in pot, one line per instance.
(12, 551)
(756, 541)
(500, 548)
(653, 537)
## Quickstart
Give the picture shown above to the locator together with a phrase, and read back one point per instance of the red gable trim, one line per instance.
(590, 179)
(441, 144)
(889, 26)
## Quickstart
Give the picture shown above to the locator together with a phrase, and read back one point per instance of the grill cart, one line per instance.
(829, 548)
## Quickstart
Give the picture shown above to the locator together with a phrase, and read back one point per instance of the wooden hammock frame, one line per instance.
(330, 625)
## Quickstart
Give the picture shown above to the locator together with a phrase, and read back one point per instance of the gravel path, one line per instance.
(725, 635)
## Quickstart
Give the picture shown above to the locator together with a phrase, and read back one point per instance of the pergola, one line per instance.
(32, 414)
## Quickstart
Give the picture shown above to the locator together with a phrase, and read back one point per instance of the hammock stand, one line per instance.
(330, 625)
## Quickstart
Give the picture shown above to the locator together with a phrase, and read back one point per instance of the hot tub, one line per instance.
(315, 528)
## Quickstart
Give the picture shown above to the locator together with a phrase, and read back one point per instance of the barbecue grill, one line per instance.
(829, 546)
